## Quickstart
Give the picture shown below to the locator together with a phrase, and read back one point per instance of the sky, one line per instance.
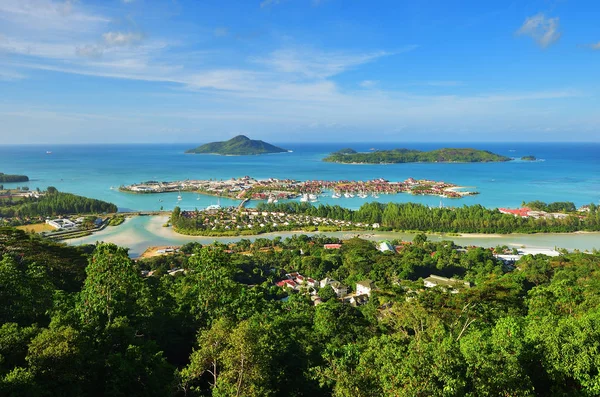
(128, 71)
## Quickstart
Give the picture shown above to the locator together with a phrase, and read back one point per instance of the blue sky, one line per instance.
(83, 71)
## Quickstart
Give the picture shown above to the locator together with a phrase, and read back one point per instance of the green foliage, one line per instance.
(53, 203)
(220, 328)
(559, 206)
(466, 219)
(5, 178)
(239, 145)
(415, 156)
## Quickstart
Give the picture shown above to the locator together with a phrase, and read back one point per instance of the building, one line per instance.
(61, 223)
(364, 287)
(332, 246)
(447, 283)
(385, 246)
(339, 289)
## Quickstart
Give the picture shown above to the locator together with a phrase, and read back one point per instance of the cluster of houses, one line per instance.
(248, 187)
(526, 212)
(297, 282)
(231, 219)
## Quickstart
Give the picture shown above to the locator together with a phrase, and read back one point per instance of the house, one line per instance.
(358, 300)
(451, 283)
(332, 246)
(287, 284)
(364, 287)
(325, 282)
(339, 289)
(385, 246)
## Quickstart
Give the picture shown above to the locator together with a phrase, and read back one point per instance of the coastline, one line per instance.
(139, 233)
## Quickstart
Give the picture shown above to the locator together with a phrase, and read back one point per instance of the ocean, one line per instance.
(563, 172)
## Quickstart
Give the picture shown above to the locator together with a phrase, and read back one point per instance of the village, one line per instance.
(232, 219)
(275, 189)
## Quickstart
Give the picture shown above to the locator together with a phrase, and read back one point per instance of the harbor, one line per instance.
(274, 189)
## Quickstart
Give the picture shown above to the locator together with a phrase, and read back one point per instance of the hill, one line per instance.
(5, 178)
(240, 145)
(446, 155)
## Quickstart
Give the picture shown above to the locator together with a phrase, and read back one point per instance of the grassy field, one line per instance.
(37, 228)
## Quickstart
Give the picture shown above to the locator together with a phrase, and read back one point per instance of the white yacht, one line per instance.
(362, 195)
(304, 198)
(348, 195)
(336, 196)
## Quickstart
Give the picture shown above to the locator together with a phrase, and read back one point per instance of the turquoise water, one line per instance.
(141, 232)
(567, 172)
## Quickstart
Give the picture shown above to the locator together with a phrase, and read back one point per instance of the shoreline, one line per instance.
(139, 233)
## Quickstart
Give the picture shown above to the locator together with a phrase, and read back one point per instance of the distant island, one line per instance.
(5, 178)
(528, 158)
(239, 146)
(446, 155)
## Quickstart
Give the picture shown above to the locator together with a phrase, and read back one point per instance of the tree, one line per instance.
(111, 289)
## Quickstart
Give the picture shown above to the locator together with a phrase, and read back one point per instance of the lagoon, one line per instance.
(140, 232)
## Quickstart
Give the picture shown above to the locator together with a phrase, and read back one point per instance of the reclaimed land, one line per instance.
(446, 155)
(272, 188)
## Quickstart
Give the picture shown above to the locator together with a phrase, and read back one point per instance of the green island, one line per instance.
(297, 316)
(528, 158)
(238, 146)
(6, 178)
(446, 155)
(295, 216)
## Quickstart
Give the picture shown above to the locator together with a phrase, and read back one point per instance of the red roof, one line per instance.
(522, 212)
(332, 246)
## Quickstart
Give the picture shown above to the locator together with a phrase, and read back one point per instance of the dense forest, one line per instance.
(466, 219)
(445, 155)
(84, 322)
(6, 178)
(52, 203)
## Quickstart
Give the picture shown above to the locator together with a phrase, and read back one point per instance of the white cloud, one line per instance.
(116, 39)
(369, 83)
(545, 31)
(595, 46)
(316, 64)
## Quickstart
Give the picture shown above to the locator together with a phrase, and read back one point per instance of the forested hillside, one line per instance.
(221, 327)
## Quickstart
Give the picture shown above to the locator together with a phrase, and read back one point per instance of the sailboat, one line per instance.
(179, 198)
(336, 196)
(215, 206)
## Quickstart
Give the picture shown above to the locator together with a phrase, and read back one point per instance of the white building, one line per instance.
(364, 287)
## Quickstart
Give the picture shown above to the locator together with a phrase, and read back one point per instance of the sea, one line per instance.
(563, 172)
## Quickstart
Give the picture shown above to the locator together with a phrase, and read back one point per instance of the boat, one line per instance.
(48, 152)
(362, 195)
(336, 196)
(312, 197)
(374, 195)
(348, 195)
(271, 200)
(304, 198)
(214, 206)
